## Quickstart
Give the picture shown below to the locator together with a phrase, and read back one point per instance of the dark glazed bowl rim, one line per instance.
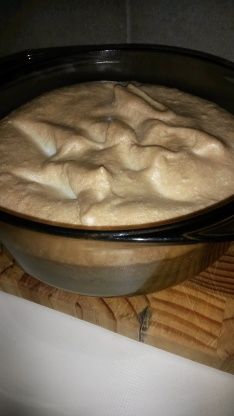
(29, 55)
(215, 223)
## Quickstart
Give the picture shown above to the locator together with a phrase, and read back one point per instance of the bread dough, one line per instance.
(115, 154)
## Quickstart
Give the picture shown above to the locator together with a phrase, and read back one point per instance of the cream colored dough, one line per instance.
(106, 153)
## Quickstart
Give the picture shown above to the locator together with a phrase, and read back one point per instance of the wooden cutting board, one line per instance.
(194, 319)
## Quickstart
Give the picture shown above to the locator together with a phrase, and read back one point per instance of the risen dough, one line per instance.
(106, 153)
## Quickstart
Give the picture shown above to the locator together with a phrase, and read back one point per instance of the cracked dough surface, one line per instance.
(109, 153)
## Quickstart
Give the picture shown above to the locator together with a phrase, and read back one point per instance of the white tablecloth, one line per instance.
(53, 364)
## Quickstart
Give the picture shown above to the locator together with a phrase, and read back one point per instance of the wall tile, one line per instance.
(206, 25)
(39, 23)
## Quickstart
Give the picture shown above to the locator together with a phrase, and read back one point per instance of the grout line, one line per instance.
(128, 21)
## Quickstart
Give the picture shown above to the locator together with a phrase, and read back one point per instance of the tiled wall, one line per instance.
(206, 25)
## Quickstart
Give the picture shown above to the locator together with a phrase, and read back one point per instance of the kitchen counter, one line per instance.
(55, 364)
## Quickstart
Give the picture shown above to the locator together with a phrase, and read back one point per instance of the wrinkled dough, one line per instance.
(108, 153)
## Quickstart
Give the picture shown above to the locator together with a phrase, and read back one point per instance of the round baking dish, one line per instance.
(114, 261)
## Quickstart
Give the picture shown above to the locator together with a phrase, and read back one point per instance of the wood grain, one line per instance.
(194, 319)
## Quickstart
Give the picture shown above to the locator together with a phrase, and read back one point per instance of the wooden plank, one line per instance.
(194, 319)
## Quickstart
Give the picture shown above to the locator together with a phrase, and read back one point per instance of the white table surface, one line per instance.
(53, 364)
